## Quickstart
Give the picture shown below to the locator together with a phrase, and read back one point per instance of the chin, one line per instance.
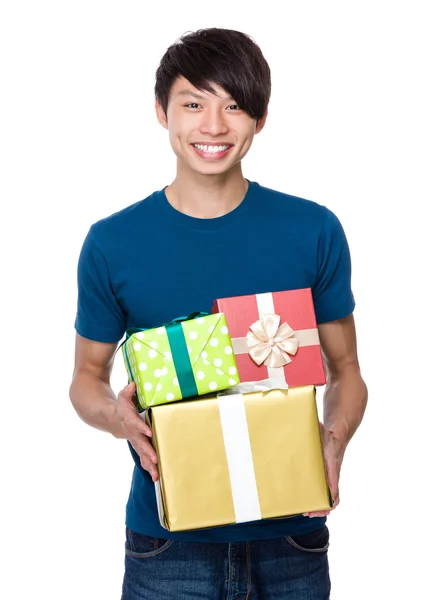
(212, 170)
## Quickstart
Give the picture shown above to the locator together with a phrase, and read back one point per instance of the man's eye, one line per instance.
(197, 105)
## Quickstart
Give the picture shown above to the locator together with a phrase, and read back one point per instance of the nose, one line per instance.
(213, 122)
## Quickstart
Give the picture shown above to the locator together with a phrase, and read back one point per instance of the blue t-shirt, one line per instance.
(149, 263)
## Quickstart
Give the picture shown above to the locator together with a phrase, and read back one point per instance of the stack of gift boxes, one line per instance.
(231, 401)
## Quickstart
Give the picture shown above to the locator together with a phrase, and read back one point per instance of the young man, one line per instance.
(212, 233)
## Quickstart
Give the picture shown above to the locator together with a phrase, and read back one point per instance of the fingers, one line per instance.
(125, 397)
(142, 427)
(336, 501)
(150, 467)
(147, 455)
(323, 513)
(144, 447)
(128, 391)
(134, 427)
(132, 423)
(136, 430)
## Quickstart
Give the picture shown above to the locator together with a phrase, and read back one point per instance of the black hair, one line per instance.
(226, 57)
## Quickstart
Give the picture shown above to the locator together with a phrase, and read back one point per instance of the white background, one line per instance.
(79, 140)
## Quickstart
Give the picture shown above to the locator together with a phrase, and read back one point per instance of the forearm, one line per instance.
(95, 403)
(344, 403)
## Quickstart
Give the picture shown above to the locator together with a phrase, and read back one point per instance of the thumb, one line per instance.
(129, 390)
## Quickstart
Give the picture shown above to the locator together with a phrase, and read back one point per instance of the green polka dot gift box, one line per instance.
(191, 356)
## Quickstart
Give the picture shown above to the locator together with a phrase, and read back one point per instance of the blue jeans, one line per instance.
(292, 568)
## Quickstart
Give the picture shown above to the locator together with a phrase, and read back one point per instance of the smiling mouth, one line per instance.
(211, 150)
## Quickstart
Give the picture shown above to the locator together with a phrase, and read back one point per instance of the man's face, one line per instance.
(209, 134)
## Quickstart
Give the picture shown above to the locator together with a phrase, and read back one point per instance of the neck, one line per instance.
(207, 196)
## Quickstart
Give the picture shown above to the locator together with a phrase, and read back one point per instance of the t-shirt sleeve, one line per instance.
(99, 314)
(332, 293)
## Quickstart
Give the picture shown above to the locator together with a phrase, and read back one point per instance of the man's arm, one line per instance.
(345, 395)
(90, 391)
(96, 404)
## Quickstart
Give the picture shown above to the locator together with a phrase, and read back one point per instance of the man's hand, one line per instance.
(136, 431)
(333, 451)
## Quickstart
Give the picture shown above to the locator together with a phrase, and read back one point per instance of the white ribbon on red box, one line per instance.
(269, 343)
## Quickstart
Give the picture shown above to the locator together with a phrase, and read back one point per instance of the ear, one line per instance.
(261, 122)
(161, 115)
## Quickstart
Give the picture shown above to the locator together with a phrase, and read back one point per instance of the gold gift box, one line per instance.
(238, 458)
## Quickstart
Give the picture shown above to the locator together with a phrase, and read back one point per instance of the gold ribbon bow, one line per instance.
(270, 343)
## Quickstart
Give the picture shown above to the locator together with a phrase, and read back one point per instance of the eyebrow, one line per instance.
(198, 96)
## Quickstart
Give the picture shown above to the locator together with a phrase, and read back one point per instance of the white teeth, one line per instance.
(212, 149)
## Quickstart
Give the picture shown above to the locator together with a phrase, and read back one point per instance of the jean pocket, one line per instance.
(139, 545)
(315, 541)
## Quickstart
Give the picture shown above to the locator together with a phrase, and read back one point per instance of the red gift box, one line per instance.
(275, 335)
